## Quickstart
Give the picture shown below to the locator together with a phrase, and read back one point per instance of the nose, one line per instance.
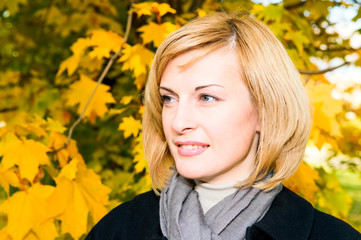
(184, 119)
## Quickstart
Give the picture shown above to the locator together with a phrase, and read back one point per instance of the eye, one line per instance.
(167, 99)
(208, 98)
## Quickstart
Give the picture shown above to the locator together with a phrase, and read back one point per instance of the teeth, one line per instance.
(191, 147)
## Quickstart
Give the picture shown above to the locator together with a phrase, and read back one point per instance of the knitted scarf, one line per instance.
(182, 218)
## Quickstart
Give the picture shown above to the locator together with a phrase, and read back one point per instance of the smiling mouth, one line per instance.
(192, 147)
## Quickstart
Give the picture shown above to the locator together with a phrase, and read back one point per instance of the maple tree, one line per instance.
(71, 78)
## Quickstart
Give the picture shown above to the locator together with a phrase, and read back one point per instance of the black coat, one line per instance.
(290, 217)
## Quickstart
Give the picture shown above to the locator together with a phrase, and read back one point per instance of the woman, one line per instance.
(226, 121)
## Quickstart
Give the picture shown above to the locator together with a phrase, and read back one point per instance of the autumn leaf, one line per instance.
(303, 182)
(80, 92)
(156, 33)
(201, 12)
(57, 141)
(70, 64)
(4, 235)
(27, 211)
(78, 48)
(27, 155)
(147, 8)
(45, 230)
(140, 161)
(163, 8)
(12, 6)
(138, 152)
(30, 125)
(137, 59)
(140, 81)
(7, 178)
(9, 77)
(78, 192)
(325, 108)
(104, 42)
(298, 38)
(333, 198)
(268, 13)
(130, 126)
(126, 100)
(54, 125)
(113, 111)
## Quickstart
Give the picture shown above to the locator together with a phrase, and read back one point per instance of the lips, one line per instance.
(191, 148)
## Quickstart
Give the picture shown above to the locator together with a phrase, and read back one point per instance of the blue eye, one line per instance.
(208, 98)
(167, 99)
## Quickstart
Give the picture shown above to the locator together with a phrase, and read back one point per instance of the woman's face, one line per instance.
(209, 120)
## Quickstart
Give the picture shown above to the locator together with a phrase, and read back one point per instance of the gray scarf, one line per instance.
(181, 215)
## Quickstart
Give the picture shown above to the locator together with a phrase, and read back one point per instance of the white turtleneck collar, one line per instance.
(211, 194)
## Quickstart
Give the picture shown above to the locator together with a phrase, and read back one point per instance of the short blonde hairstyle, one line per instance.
(272, 79)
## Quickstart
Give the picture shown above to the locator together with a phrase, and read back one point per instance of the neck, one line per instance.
(210, 194)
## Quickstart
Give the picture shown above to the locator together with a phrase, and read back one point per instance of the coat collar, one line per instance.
(289, 217)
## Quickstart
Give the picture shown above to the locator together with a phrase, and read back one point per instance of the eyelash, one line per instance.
(202, 96)
(168, 99)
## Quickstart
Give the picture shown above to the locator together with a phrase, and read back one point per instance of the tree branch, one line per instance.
(104, 73)
(339, 49)
(296, 5)
(316, 72)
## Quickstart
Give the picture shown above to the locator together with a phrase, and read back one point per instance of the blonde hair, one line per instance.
(272, 79)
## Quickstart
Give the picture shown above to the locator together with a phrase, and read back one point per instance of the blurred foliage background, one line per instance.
(58, 179)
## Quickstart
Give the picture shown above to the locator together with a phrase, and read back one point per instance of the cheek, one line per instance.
(243, 125)
(166, 125)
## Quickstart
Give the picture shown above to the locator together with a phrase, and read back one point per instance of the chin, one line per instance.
(193, 174)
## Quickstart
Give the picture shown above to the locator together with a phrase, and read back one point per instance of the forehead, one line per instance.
(202, 67)
(203, 62)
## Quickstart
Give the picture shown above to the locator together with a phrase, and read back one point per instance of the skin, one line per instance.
(209, 120)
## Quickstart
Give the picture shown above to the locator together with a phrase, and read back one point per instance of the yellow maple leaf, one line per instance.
(70, 170)
(30, 125)
(139, 158)
(163, 8)
(325, 107)
(126, 100)
(9, 77)
(78, 48)
(113, 111)
(70, 64)
(80, 92)
(4, 235)
(142, 8)
(100, 52)
(140, 81)
(7, 178)
(201, 12)
(136, 58)
(130, 126)
(45, 230)
(303, 182)
(54, 125)
(104, 43)
(147, 8)
(156, 33)
(74, 198)
(57, 141)
(27, 211)
(27, 155)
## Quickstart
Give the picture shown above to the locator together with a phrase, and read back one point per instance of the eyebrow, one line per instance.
(167, 89)
(209, 85)
(196, 89)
